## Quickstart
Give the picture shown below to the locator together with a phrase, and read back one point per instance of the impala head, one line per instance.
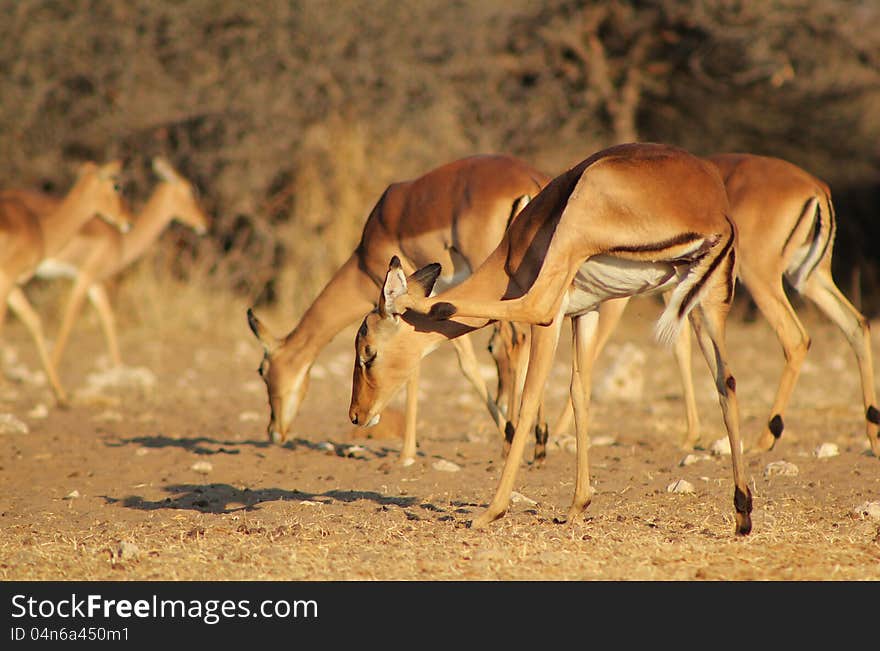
(179, 197)
(388, 347)
(286, 378)
(101, 184)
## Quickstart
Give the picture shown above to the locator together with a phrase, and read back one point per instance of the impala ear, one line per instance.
(260, 331)
(424, 278)
(111, 169)
(518, 205)
(392, 300)
(163, 169)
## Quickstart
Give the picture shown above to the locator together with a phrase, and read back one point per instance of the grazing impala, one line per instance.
(786, 225)
(26, 240)
(631, 219)
(99, 250)
(457, 214)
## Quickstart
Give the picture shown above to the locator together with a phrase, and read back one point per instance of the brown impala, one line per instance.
(455, 214)
(629, 220)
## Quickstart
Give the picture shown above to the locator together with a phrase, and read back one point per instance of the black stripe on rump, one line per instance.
(697, 285)
(678, 240)
(799, 220)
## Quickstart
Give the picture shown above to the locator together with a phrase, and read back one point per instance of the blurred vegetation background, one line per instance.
(291, 117)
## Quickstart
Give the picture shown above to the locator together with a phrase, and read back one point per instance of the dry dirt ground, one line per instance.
(174, 479)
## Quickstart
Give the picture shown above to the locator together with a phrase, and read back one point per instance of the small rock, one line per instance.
(624, 378)
(680, 486)
(355, 452)
(39, 411)
(781, 468)
(407, 462)
(127, 550)
(721, 447)
(691, 459)
(142, 452)
(9, 424)
(72, 495)
(246, 416)
(870, 510)
(517, 498)
(203, 467)
(326, 446)
(826, 450)
(602, 441)
(445, 466)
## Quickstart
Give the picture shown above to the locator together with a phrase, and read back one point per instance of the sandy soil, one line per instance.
(166, 474)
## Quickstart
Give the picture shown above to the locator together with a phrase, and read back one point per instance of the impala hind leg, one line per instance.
(825, 294)
(771, 300)
(584, 342)
(683, 360)
(544, 341)
(709, 323)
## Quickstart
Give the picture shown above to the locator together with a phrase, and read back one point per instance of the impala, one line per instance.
(457, 214)
(99, 251)
(629, 220)
(786, 225)
(26, 240)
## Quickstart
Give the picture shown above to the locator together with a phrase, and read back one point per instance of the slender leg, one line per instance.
(544, 341)
(408, 452)
(467, 360)
(683, 359)
(713, 318)
(610, 313)
(771, 300)
(99, 298)
(825, 294)
(71, 311)
(584, 329)
(22, 308)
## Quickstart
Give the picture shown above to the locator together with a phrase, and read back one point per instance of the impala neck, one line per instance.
(60, 225)
(347, 297)
(146, 229)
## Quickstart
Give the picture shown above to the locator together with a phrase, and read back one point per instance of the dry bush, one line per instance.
(292, 117)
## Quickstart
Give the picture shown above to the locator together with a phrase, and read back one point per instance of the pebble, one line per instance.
(445, 466)
(72, 495)
(127, 550)
(356, 452)
(246, 416)
(39, 411)
(203, 467)
(870, 510)
(781, 468)
(826, 450)
(326, 446)
(722, 446)
(517, 498)
(9, 424)
(691, 459)
(680, 486)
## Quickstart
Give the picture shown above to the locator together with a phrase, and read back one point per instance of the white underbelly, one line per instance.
(605, 276)
(51, 268)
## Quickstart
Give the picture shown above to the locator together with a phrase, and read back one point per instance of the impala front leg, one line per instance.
(467, 360)
(544, 341)
(408, 452)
